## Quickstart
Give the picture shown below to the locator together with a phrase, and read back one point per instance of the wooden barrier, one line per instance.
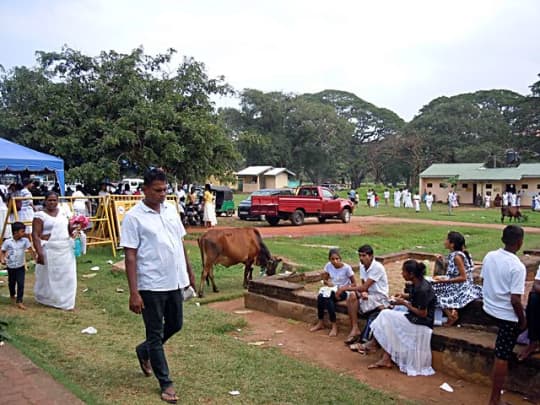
(120, 204)
(105, 225)
(100, 231)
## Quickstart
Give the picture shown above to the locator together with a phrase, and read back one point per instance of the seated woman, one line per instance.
(336, 275)
(456, 289)
(56, 274)
(533, 320)
(406, 337)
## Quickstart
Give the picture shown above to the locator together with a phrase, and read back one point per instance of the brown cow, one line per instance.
(231, 246)
(511, 212)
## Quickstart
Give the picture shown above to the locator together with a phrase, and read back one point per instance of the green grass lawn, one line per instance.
(206, 361)
(465, 213)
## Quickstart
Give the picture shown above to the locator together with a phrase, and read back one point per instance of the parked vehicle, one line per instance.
(224, 200)
(244, 208)
(194, 214)
(133, 183)
(309, 201)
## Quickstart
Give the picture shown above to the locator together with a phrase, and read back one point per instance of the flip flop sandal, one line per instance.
(352, 339)
(359, 347)
(169, 397)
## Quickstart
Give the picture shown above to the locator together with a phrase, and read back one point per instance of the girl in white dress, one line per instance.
(406, 337)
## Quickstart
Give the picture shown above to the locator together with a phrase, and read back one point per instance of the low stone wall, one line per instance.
(466, 352)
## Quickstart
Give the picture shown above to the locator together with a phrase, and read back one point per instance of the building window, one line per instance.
(464, 186)
(524, 186)
(488, 186)
(429, 185)
(442, 185)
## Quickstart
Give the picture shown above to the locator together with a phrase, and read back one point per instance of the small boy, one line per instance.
(13, 254)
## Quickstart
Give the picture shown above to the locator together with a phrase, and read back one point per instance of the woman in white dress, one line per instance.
(429, 201)
(406, 337)
(26, 213)
(56, 271)
(209, 213)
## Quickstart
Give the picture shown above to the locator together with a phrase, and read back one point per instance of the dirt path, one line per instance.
(294, 340)
(357, 226)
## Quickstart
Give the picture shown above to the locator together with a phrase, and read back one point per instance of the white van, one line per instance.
(133, 183)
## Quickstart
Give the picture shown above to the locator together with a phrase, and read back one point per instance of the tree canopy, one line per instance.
(118, 112)
(114, 113)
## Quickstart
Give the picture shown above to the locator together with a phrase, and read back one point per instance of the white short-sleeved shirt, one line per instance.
(25, 193)
(377, 273)
(79, 203)
(503, 275)
(537, 277)
(157, 236)
(340, 277)
(14, 249)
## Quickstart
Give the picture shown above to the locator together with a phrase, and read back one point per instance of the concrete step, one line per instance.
(465, 352)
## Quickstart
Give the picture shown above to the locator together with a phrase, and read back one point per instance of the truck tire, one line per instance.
(345, 215)
(322, 220)
(272, 220)
(297, 218)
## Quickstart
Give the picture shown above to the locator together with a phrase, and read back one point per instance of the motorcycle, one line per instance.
(194, 214)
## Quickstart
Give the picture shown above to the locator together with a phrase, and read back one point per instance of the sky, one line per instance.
(395, 54)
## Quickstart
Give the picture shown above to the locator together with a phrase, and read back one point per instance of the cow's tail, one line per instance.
(264, 253)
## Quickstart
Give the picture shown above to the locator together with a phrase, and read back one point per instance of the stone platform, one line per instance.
(466, 352)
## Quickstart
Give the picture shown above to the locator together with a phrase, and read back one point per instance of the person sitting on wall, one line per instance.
(368, 297)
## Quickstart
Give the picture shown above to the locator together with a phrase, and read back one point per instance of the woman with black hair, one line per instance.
(406, 337)
(456, 289)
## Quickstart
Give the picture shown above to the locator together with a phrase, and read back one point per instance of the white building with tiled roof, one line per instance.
(474, 178)
(254, 178)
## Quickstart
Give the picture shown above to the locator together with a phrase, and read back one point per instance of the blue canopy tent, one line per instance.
(15, 158)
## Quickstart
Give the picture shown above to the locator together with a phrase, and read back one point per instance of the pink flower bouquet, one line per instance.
(79, 220)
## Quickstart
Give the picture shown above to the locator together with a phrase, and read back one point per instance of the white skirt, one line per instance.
(56, 281)
(209, 214)
(408, 344)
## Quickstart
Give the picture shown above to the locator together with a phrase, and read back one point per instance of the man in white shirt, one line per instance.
(158, 271)
(503, 284)
(370, 295)
(397, 198)
(429, 200)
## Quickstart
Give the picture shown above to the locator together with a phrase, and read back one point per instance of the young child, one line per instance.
(336, 274)
(12, 254)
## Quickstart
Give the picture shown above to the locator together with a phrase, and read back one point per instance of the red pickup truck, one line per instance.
(309, 201)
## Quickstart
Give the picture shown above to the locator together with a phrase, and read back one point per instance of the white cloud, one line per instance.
(393, 53)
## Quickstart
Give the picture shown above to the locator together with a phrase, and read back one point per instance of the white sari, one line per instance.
(56, 280)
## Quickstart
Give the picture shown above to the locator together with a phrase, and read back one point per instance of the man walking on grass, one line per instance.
(158, 271)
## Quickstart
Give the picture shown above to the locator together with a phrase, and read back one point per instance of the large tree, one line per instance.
(467, 127)
(527, 125)
(371, 126)
(292, 131)
(117, 111)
